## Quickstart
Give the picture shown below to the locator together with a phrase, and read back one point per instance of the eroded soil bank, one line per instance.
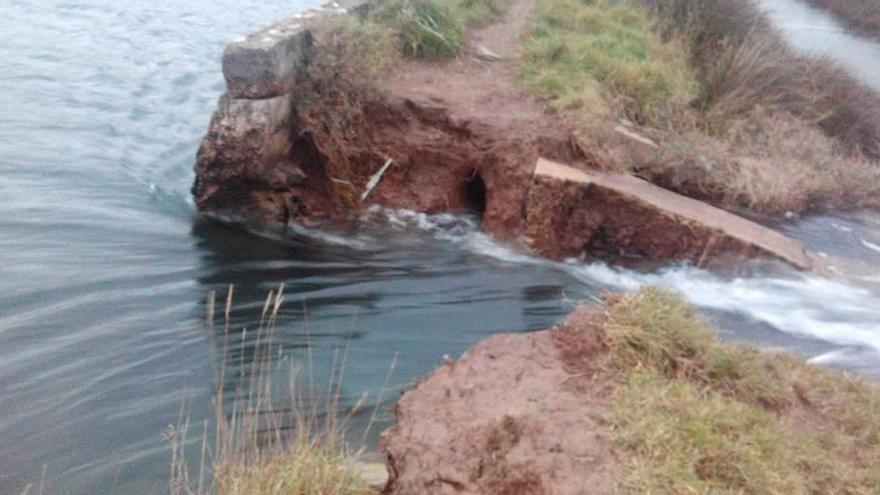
(441, 136)
(509, 417)
(633, 397)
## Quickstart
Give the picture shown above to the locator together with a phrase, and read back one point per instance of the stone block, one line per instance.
(264, 65)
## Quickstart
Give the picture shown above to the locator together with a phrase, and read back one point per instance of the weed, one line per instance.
(434, 28)
(699, 416)
(588, 56)
(263, 446)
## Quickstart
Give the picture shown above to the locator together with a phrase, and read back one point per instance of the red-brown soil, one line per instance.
(459, 134)
(516, 415)
(465, 123)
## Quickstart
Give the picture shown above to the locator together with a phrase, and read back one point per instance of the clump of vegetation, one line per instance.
(587, 56)
(741, 119)
(307, 466)
(743, 64)
(861, 15)
(260, 445)
(433, 28)
(698, 416)
(426, 28)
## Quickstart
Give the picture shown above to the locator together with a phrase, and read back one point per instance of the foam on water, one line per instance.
(870, 245)
(798, 304)
(462, 230)
(801, 304)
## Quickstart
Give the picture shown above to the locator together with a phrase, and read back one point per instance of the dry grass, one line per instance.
(743, 120)
(775, 163)
(743, 64)
(260, 445)
(698, 416)
(860, 15)
(307, 466)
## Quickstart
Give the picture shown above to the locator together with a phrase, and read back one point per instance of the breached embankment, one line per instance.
(446, 137)
(638, 397)
(513, 415)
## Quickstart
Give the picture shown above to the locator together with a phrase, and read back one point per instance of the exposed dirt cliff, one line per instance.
(459, 134)
(509, 418)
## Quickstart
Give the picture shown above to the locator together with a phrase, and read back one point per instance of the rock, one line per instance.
(619, 217)
(505, 419)
(246, 137)
(484, 53)
(264, 64)
(245, 156)
(374, 474)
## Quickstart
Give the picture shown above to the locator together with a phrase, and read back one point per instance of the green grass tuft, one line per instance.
(426, 28)
(585, 54)
(699, 416)
(434, 29)
(307, 466)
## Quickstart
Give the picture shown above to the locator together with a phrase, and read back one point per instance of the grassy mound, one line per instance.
(582, 56)
(699, 416)
(743, 121)
(307, 466)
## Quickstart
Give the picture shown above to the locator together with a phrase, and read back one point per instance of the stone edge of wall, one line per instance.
(249, 135)
(264, 64)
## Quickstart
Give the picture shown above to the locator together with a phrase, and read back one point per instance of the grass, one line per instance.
(432, 29)
(307, 466)
(861, 15)
(588, 56)
(743, 64)
(742, 120)
(261, 445)
(698, 416)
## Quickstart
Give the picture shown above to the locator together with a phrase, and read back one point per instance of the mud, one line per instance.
(512, 416)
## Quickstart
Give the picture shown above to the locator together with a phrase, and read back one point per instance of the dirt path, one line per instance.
(478, 89)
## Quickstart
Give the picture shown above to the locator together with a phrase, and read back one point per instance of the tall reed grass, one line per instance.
(272, 436)
(743, 64)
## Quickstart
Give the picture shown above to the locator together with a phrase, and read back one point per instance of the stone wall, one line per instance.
(246, 166)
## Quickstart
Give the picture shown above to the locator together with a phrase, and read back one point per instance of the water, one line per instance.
(816, 32)
(104, 265)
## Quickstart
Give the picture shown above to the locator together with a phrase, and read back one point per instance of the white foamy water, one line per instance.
(870, 245)
(799, 304)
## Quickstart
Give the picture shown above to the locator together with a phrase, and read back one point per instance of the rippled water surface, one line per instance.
(104, 265)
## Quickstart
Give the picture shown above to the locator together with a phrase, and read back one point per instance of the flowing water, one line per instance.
(104, 265)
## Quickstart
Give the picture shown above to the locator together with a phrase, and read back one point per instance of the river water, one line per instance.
(104, 265)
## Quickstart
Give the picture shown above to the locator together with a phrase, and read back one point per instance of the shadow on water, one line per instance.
(374, 291)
